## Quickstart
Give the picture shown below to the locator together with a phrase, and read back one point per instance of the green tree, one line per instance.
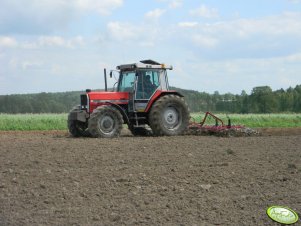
(263, 100)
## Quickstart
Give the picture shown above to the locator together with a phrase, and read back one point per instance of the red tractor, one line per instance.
(142, 100)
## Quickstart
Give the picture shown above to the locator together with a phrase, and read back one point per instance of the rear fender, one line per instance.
(158, 94)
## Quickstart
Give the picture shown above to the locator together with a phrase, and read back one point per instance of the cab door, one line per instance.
(127, 83)
(147, 82)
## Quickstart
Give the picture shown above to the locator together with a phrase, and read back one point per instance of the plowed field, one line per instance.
(48, 178)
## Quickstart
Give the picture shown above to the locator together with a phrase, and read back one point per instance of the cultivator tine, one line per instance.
(229, 122)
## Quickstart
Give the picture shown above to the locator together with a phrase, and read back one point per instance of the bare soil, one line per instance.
(49, 178)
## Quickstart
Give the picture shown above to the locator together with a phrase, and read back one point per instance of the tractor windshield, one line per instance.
(127, 81)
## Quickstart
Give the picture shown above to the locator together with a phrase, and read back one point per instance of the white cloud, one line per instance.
(294, 58)
(172, 4)
(248, 35)
(31, 65)
(258, 49)
(295, 1)
(53, 41)
(258, 37)
(142, 34)
(147, 44)
(46, 16)
(205, 41)
(155, 14)
(188, 24)
(122, 31)
(204, 11)
(77, 41)
(175, 4)
(8, 42)
(236, 75)
(104, 7)
(284, 24)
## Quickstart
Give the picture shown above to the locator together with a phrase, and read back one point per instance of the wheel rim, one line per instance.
(106, 124)
(171, 118)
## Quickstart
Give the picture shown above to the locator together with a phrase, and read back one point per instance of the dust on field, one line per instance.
(48, 178)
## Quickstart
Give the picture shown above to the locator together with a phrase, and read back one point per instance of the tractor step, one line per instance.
(138, 118)
(139, 126)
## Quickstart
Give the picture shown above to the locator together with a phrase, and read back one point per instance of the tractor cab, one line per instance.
(142, 80)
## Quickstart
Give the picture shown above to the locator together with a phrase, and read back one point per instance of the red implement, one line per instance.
(218, 129)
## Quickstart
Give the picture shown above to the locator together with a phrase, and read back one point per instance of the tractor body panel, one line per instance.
(104, 98)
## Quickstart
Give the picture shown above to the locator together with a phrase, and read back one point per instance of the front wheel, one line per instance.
(105, 121)
(77, 128)
(169, 116)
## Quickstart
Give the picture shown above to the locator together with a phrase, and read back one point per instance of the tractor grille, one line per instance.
(83, 101)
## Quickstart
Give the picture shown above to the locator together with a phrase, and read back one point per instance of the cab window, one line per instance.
(127, 81)
(148, 82)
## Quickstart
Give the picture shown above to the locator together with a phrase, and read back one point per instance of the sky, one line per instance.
(216, 45)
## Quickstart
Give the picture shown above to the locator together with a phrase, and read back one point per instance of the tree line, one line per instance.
(261, 100)
(39, 103)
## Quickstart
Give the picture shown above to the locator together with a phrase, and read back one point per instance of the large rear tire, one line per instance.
(105, 121)
(169, 116)
(77, 128)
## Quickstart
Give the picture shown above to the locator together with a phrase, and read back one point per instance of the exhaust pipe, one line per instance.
(105, 75)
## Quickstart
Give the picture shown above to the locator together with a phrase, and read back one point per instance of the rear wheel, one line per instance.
(105, 121)
(169, 116)
(75, 127)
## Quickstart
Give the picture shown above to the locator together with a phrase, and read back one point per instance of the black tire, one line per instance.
(77, 128)
(169, 116)
(105, 121)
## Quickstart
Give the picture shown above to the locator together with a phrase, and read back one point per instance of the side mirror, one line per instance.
(111, 74)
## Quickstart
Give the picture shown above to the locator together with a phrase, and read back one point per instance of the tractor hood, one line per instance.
(102, 98)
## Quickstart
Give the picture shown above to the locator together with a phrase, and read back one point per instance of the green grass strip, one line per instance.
(256, 120)
(28, 122)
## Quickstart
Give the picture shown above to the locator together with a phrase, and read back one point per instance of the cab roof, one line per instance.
(144, 64)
